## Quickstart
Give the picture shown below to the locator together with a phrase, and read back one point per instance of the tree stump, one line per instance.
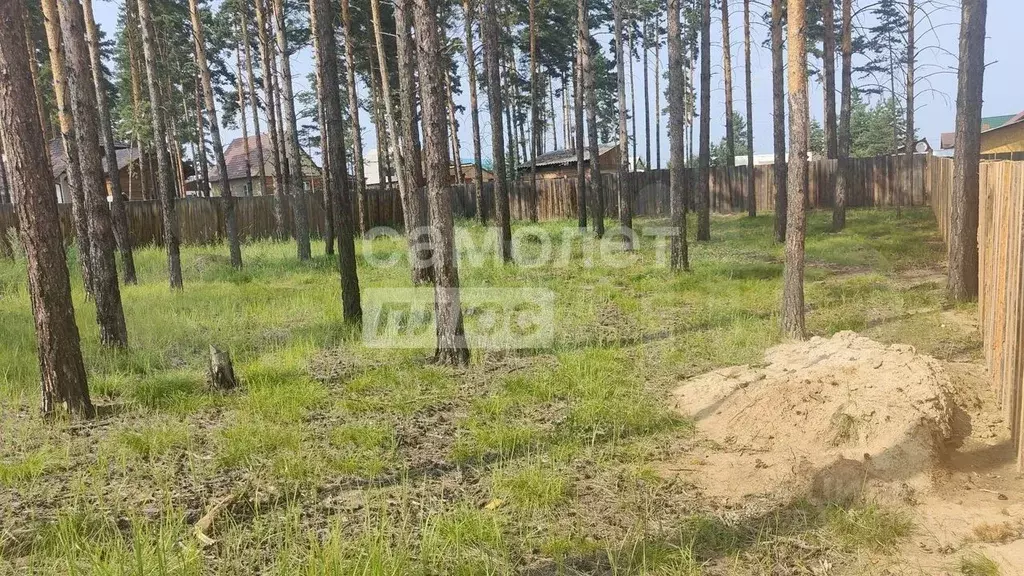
(222, 372)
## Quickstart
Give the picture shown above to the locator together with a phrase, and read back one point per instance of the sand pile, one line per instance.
(825, 418)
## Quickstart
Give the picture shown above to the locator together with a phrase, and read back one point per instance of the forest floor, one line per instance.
(335, 457)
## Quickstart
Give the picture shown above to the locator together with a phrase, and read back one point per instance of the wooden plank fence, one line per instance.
(1000, 277)
(873, 182)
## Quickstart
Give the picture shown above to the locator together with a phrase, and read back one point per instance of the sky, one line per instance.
(937, 40)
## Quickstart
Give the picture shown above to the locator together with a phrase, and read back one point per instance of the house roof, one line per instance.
(567, 156)
(988, 124)
(59, 161)
(234, 158)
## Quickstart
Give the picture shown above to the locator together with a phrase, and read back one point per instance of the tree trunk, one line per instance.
(82, 87)
(534, 121)
(631, 162)
(590, 95)
(793, 273)
(250, 85)
(647, 101)
(703, 204)
(163, 161)
(910, 142)
(625, 213)
(657, 92)
(730, 128)
(33, 63)
(963, 233)
(828, 58)
(751, 195)
(117, 208)
(199, 155)
(407, 118)
(291, 136)
(73, 172)
(240, 86)
(452, 348)
(327, 67)
(357, 132)
(230, 220)
(680, 259)
(469, 8)
(779, 121)
(453, 122)
(577, 95)
(330, 204)
(62, 371)
(266, 58)
(495, 105)
(845, 116)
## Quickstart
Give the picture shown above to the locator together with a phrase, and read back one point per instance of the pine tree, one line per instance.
(676, 132)
(495, 102)
(845, 117)
(703, 203)
(793, 273)
(779, 122)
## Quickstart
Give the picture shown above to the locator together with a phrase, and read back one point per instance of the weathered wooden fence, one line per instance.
(1000, 277)
(873, 182)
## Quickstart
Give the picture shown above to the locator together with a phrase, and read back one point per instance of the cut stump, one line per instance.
(222, 372)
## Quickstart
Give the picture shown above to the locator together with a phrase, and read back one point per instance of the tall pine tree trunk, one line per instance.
(828, 57)
(676, 133)
(266, 60)
(468, 9)
(657, 91)
(496, 107)
(33, 63)
(327, 67)
(330, 205)
(62, 371)
(703, 204)
(357, 131)
(452, 348)
(910, 142)
(793, 273)
(82, 87)
(535, 132)
(250, 85)
(291, 137)
(845, 117)
(165, 188)
(590, 96)
(730, 128)
(647, 101)
(963, 233)
(577, 94)
(230, 220)
(779, 121)
(240, 87)
(751, 195)
(406, 52)
(73, 172)
(625, 213)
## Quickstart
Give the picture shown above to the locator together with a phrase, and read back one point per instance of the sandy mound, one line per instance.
(824, 418)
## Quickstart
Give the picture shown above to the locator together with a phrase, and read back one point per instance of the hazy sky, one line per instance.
(936, 95)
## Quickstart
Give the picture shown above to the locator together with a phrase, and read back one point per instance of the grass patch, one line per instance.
(977, 564)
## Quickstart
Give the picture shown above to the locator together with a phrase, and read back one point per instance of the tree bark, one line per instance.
(266, 58)
(230, 220)
(625, 212)
(577, 93)
(202, 166)
(327, 66)
(534, 121)
(793, 273)
(469, 9)
(496, 107)
(730, 128)
(357, 132)
(291, 136)
(828, 58)
(910, 142)
(779, 121)
(241, 88)
(452, 348)
(703, 204)
(163, 161)
(751, 195)
(680, 259)
(590, 95)
(73, 171)
(82, 87)
(963, 235)
(845, 117)
(647, 100)
(62, 371)
(657, 92)
(33, 63)
(406, 57)
(330, 204)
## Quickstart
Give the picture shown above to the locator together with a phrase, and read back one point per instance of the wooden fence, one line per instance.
(873, 182)
(1000, 278)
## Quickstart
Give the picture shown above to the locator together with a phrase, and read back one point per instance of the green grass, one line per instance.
(353, 459)
(977, 564)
